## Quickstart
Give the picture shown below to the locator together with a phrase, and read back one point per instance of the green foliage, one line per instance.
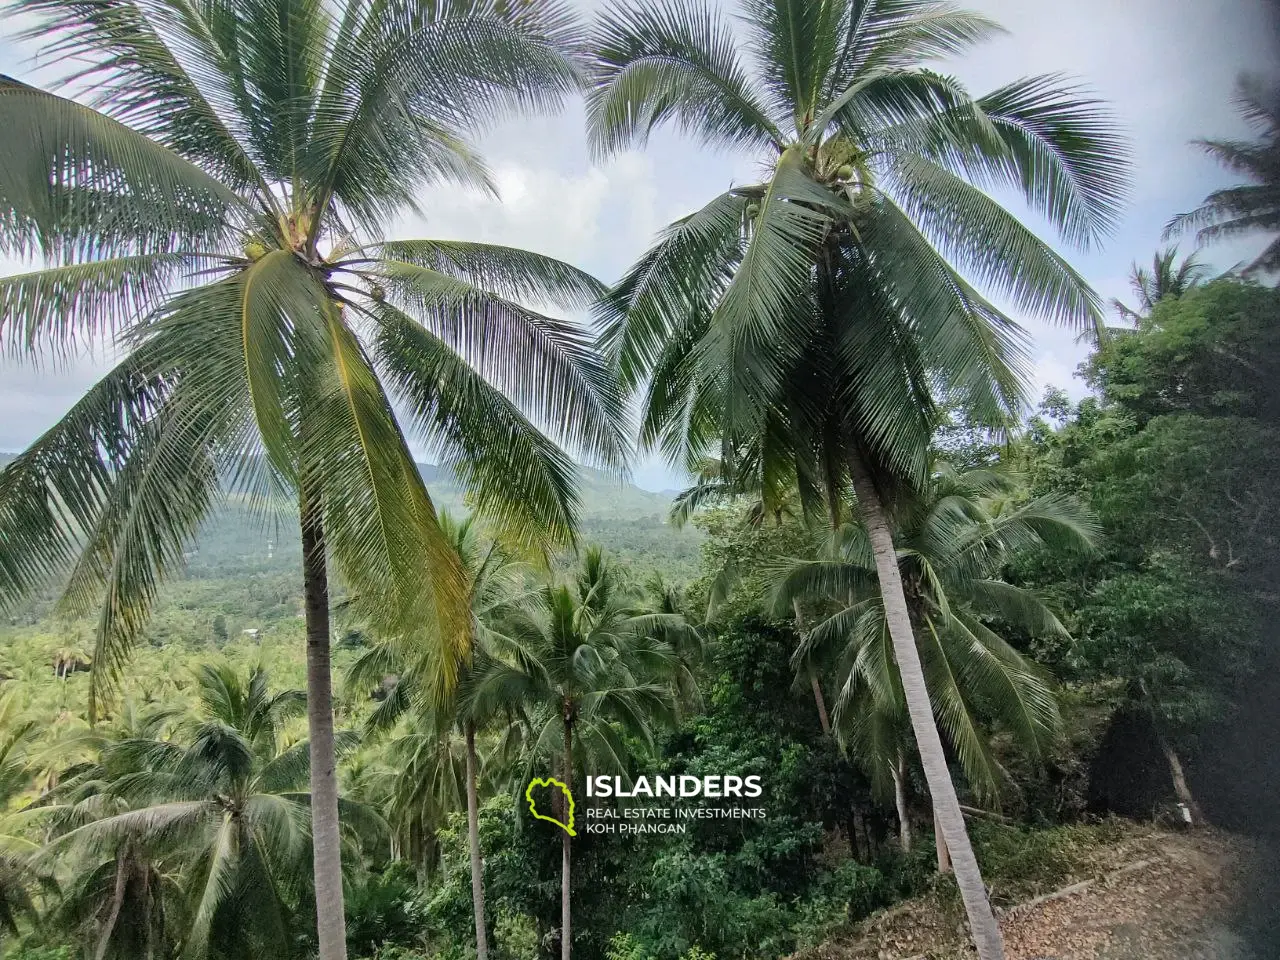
(1175, 457)
(44, 953)
(384, 911)
(179, 824)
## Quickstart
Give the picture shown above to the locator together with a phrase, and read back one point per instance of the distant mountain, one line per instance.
(602, 494)
(625, 520)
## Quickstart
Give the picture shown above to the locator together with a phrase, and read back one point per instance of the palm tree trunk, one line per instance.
(900, 804)
(940, 843)
(823, 718)
(814, 682)
(117, 901)
(861, 836)
(982, 921)
(473, 840)
(331, 928)
(565, 939)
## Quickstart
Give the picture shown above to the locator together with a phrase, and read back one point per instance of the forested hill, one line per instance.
(627, 521)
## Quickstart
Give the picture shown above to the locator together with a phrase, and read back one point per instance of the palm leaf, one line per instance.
(75, 184)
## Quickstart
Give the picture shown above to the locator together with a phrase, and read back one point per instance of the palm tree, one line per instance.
(586, 668)
(952, 547)
(214, 206)
(1165, 279)
(1252, 207)
(818, 312)
(428, 785)
(220, 820)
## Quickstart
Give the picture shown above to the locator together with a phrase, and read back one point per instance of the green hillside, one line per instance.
(246, 562)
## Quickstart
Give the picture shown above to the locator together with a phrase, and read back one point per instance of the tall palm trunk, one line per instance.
(473, 840)
(331, 928)
(821, 702)
(565, 940)
(982, 921)
(899, 774)
(940, 844)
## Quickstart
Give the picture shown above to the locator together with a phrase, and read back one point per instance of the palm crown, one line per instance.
(835, 296)
(203, 836)
(582, 660)
(1168, 277)
(217, 208)
(1252, 207)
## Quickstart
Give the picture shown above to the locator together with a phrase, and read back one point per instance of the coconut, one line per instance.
(845, 172)
(255, 249)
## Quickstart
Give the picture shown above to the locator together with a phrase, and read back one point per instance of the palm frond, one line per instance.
(680, 276)
(557, 381)
(508, 272)
(76, 185)
(673, 63)
(378, 517)
(513, 474)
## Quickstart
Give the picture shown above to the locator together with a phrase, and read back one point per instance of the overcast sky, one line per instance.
(1167, 67)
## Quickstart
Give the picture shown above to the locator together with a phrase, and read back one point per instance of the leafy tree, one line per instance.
(215, 206)
(811, 319)
(1175, 456)
(1252, 207)
(1211, 352)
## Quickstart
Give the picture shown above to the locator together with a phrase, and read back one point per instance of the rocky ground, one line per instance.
(1155, 896)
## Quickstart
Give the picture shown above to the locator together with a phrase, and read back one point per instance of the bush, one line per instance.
(1019, 863)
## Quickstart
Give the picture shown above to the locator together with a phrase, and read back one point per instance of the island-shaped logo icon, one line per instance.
(533, 805)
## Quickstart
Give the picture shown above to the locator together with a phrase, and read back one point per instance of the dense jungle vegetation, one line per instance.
(1165, 649)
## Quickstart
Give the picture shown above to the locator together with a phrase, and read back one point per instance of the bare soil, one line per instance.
(1155, 896)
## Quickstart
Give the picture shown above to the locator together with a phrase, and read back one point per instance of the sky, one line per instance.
(1167, 67)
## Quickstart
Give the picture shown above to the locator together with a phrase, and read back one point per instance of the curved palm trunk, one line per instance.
(899, 774)
(565, 937)
(823, 717)
(982, 921)
(117, 902)
(331, 928)
(473, 840)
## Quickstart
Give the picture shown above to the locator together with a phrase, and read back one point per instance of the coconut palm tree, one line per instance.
(206, 832)
(214, 205)
(586, 668)
(1166, 278)
(436, 770)
(1252, 207)
(952, 547)
(829, 305)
